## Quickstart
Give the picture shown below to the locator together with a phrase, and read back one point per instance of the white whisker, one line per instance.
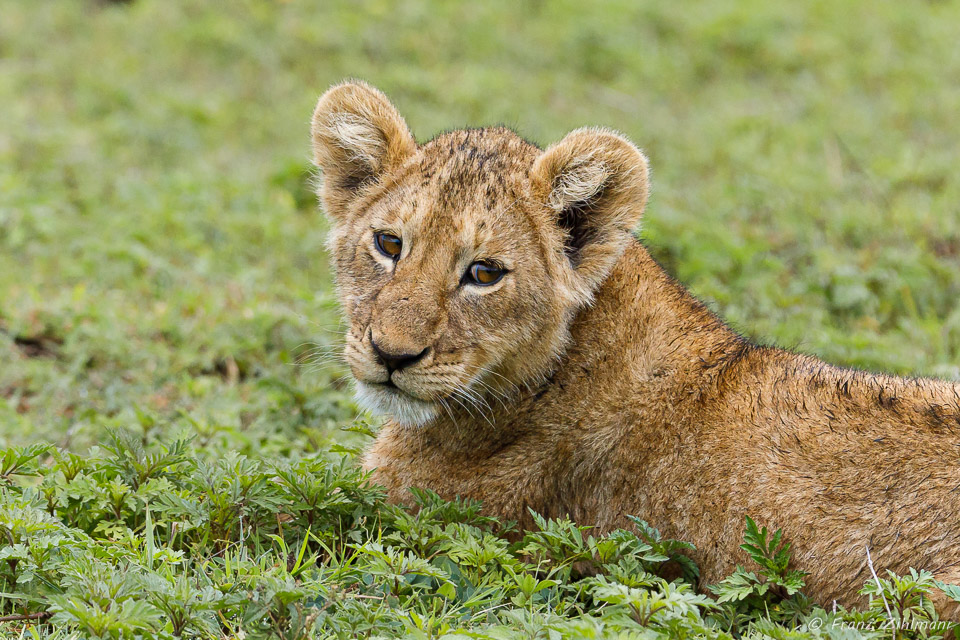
(474, 399)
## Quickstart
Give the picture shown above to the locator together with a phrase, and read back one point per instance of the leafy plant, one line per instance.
(773, 592)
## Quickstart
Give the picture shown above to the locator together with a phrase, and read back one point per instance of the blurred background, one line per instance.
(161, 253)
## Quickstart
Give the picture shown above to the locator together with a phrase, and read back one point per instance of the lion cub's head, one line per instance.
(461, 262)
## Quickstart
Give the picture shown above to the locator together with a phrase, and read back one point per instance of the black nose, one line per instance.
(397, 361)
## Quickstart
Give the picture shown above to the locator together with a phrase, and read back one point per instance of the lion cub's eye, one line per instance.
(387, 244)
(484, 274)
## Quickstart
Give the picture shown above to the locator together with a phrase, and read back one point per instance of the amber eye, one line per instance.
(387, 244)
(484, 273)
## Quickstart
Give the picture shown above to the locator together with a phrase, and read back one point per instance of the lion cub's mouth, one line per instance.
(387, 399)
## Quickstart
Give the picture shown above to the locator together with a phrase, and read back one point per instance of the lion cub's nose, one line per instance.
(397, 361)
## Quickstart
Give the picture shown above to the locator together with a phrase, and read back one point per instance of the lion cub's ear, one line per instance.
(357, 136)
(595, 184)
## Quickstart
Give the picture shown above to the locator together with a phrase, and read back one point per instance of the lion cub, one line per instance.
(529, 353)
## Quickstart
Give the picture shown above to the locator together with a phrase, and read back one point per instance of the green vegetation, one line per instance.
(166, 319)
(179, 541)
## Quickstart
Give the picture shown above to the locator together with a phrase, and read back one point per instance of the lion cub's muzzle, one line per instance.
(401, 364)
(404, 383)
(396, 361)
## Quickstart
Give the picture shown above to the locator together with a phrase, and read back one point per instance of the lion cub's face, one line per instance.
(442, 279)
(460, 263)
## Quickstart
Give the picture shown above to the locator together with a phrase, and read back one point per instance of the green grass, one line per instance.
(162, 268)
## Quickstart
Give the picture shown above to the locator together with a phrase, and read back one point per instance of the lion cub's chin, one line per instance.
(395, 404)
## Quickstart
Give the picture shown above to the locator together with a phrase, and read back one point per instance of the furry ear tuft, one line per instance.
(594, 183)
(357, 136)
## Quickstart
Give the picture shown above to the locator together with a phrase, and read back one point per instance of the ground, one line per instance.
(161, 253)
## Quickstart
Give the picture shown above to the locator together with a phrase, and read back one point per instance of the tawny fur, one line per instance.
(589, 383)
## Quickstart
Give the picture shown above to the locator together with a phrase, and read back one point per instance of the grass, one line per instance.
(161, 257)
